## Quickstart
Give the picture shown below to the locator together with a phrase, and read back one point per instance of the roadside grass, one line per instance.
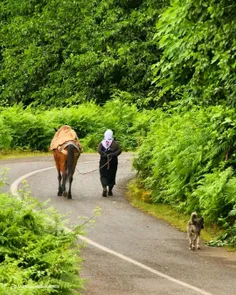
(140, 199)
(14, 154)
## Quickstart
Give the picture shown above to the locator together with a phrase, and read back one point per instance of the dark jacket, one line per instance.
(108, 162)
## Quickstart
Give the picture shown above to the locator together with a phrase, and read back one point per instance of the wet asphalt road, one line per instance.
(142, 255)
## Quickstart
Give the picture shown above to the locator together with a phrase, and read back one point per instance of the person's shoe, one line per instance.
(110, 190)
(104, 193)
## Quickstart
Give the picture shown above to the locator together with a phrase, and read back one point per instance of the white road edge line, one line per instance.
(14, 191)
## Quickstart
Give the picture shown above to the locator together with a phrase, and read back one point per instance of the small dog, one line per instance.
(195, 225)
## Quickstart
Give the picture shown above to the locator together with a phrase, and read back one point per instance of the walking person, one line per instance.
(109, 151)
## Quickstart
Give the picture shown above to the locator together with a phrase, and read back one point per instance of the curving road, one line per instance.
(128, 252)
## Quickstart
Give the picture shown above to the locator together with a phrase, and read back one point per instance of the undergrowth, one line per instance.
(140, 198)
(39, 250)
(188, 161)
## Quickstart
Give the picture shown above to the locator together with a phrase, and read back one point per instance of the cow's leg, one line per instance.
(70, 179)
(59, 184)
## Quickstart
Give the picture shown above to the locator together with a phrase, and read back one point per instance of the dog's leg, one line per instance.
(198, 243)
(194, 241)
(190, 241)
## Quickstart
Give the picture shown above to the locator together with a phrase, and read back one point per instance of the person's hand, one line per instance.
(104, 155)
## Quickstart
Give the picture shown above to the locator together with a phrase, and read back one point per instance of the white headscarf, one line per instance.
(108, 138)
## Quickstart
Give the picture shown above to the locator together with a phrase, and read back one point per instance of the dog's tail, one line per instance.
(193, 217)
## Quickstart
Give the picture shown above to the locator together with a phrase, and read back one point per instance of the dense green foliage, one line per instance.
(33, 130)
(197, 65)
(37, 256)
(61, 53)
(189, 160)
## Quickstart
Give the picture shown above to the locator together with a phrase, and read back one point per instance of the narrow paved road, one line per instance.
(128, 252)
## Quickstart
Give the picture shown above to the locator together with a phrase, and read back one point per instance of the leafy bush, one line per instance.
(225, 239)
(197, 64)
(37, 256)
(63, 53)
(188, 161)
(5, 136)
(33, 129)
(27, 130)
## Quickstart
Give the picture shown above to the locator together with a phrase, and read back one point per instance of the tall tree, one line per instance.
(65, 52)
(199, 49)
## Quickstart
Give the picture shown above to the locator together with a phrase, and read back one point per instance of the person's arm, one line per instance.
(117, 150)
(100, 151)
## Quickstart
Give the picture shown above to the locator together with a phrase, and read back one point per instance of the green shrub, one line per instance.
(26, 128)
(34, 129)
(5, 135)
(188, 160)
(37, 256)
